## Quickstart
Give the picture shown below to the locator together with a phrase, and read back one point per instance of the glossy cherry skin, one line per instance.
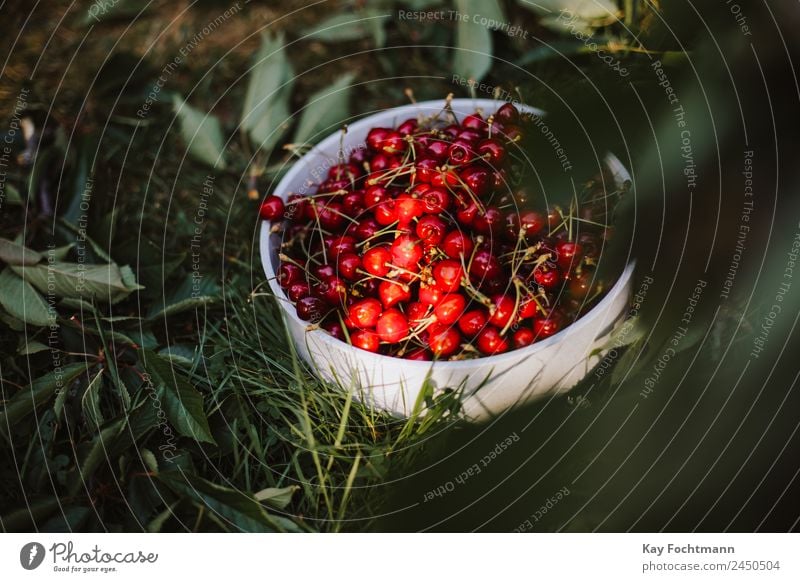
(443, 341)
(406, 252)
(417, 312)
(489, 341)
(297, 290)
(288, 274)
(271, 209)
(311, 309)
(392, 293)
(377, 260)
(473, 321)
(547, 277)
(489, 223)
(569, 254)
(430, 294)
(492, 150)
(543, 328)
(524, 337)
(365, 313)
(347, 266)
(431, 230)
(504, 310)
(507, 113)
(450, 308)
(485, 266)
(419, 354)
(392, 326)
(335, 329)
(366, 340)
(457, 244)
(448, 274)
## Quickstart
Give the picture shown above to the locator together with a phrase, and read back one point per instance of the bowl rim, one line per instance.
(282, 191)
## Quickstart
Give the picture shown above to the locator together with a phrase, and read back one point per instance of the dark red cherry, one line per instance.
(311, 309)
(490, 342)
(271, 209)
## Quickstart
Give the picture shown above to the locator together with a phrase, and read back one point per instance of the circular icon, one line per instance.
(31, 555)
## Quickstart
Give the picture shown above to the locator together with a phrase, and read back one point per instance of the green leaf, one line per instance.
(17, 254)
(191, 294)
(473, 52)
(12, 195)
(30, 347)
(22, 519)
(326, 110)
(97, 452)
(90, 402)
(278, 498)
(201, 132)
(266, 104)
(571, 15)
(68, 520)
(39, 392)
(242, 512)
(22, 301)
(105, 283)
(182, 403)
(351, 26)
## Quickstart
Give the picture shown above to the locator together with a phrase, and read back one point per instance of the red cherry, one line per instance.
(476, 178)
(489, 341)
(419, 354)
(408, 127)
(445, 178)
(365, 313)
(386, 212)
(532, 222)
(457, 244)
(288, 274)
(296, 207)
(271, 209)
(392, 293)
(376, 136)
(492, 150)
(406, 252)
(329, 214)
(296, 291)
(472, 322)
(335, 329)
(344, 172)
(417, 312)
(323, 272)
(436, 200)
(347, 265)
(484, 266)
(425, 169)
(443, 341)
(448, 274)
(366, 340)
(376, 261)
(527, 308)
(332, 290)
(366, 228)
(569, 254)
(460, 152)
(450, 308)
(547, 277)
(353, 203)
(473, 121)
(467, 214)
(374, 195)
(431, 230)
(408, 208)
(489, 223)
(546, 327)
(430, 294)
(437, 149)
(512, 132)
(339, 245)
(504, 310)
(507, 113)
(311, 309)
(451, 130)
(523, 337)
(379, 165)
(392, 326)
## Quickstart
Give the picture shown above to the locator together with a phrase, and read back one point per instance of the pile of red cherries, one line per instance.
(425, 243)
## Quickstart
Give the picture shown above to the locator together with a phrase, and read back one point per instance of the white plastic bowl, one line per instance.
(489, 385)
